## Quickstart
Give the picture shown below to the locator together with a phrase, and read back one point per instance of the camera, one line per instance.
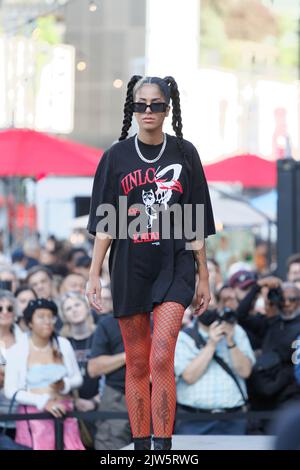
(228, 315)
(275, 297)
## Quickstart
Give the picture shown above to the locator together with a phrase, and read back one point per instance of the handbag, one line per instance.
(6, 442)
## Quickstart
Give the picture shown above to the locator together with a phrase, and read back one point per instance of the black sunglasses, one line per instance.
(8, 309)
(155, 107)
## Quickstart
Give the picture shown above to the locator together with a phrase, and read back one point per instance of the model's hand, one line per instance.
(202, 296)
(93, 293)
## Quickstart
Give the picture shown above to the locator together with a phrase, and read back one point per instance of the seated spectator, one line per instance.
(42, 370)
(79, 328)
(202, 383)
(23, 296)
(9, 335)
(73, 282)
(108, 358)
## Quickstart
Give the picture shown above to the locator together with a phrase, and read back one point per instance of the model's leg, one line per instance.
(136, 335)
(167, 319)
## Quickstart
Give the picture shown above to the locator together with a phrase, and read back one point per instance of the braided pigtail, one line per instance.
(176, 118)
(128, 107)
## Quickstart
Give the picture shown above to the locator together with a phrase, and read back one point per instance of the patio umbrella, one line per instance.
(27, 153)
(249, 170)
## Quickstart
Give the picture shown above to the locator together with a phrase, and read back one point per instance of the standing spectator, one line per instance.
(23, 295)
(73, 282)
(9, 335)
(79, 328)
(202, 383)
(293, 269)
(40, 279)
(296, 357)
(72, 257)
(8, 279)
(42, 368)
(82, 266)
(273, 381)
(108, 358)
(32, 251)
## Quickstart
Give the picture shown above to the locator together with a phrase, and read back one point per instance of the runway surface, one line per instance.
(219, 443)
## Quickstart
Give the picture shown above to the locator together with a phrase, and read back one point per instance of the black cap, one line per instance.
(35, 304)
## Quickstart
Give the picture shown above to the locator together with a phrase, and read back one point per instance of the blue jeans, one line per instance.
(233, 427)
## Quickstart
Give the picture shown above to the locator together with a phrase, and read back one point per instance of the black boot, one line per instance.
(162, 443)
(142, 443)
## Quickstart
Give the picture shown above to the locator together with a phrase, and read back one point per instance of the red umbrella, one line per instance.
(24, 152)
(250, 170)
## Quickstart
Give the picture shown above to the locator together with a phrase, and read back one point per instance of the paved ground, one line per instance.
(219, 443)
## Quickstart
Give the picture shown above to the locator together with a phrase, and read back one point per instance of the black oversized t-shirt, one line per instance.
(147, 268)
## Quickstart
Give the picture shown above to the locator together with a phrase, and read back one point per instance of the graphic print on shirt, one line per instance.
(149, 201)
(163, 186)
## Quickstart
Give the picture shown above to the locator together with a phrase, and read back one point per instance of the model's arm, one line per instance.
(105, 364)
(202, 291)
(93, 289)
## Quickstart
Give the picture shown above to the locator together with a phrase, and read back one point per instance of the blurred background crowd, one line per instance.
(253, 324)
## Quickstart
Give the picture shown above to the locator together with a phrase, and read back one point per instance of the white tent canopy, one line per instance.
(228, 212)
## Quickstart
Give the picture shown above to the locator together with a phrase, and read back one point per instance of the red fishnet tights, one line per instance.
(145, 356)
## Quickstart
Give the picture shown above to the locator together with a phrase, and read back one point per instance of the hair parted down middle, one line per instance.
(134, 84)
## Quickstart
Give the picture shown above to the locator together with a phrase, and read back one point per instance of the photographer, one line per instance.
(273, 381)
(247, 288)
(212, 360)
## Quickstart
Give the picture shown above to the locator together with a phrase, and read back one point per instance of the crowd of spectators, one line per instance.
(58, 355)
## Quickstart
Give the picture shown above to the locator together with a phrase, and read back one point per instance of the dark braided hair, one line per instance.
(176, 117)
(128, 107)
(169, 89)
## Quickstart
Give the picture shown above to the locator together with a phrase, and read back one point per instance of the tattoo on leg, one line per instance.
(140, 412)
(163, 411)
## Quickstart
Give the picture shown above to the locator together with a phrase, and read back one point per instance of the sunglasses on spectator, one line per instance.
(155, 107)
(291, 299)
(10, 308)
